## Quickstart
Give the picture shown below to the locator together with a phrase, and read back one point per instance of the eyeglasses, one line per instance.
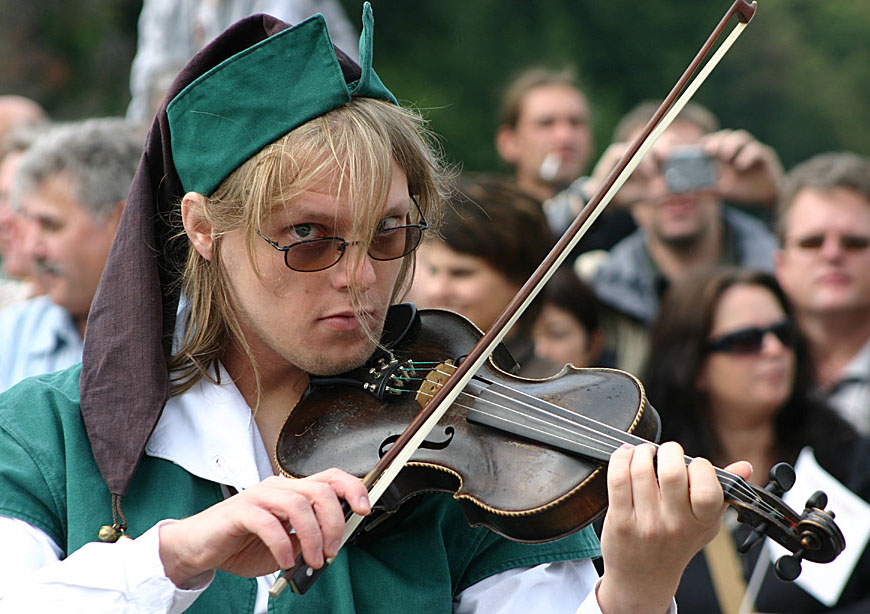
(847, 242)
(749, 340)
(312, 255)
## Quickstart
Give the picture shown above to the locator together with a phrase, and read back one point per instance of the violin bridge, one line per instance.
(435, 379)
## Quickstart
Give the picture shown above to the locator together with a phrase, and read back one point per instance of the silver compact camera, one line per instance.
(689, 168)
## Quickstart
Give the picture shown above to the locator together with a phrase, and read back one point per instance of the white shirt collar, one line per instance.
(858, 368)
(210, 432)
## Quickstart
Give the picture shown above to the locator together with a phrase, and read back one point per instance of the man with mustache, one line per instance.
(823, 224)
(70, 188)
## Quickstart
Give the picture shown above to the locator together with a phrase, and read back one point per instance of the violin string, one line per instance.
(727, 479)
(740, 486)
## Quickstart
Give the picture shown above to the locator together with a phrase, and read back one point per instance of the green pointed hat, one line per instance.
(256, 96)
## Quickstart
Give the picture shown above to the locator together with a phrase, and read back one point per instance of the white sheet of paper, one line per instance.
(825, 581)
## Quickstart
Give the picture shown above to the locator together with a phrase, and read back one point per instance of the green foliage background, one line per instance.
(797, 78)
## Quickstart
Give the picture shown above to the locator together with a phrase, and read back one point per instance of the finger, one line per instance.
(705, 491)
(271, 531)
(717, 144)
(673, 478)
(296, 509)
(754, 154)
(741, 468)
(329, 514)
(619, 495)
(325, 490)
(644, 483)
(733, 144)
(348, 487)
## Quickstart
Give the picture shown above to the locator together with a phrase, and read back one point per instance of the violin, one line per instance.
(552, 438)
(525, 458)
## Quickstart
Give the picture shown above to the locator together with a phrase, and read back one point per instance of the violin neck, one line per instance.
(566, 430)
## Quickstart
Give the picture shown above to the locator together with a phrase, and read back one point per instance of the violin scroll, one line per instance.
(813, 535)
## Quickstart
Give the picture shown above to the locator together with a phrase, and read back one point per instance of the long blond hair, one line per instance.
(355, 145)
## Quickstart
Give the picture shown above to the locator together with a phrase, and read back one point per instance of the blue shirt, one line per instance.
(36, 337)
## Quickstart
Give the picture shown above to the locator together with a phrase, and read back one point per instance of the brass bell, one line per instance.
(109, 533)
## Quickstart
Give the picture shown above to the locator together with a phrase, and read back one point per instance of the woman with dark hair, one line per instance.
(491, 239)
(729, 375)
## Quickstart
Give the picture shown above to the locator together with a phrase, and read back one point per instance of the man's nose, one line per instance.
(31, 239)
(355, 268)
(832, 247)
(566, 131)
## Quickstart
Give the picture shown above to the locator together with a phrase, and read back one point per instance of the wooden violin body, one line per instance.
(520, 488)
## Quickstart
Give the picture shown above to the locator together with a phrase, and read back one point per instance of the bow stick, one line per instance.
(392, 462)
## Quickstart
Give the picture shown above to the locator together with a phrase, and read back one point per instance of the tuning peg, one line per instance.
(755, 536)
(781, 479)
(788, 567)
(817, 500)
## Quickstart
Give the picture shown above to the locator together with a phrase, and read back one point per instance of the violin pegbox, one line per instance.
(819, 536)
(812, 536)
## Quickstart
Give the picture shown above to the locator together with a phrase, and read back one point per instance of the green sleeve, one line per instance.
(25, 490)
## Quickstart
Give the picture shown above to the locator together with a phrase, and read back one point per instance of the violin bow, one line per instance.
(391, 463)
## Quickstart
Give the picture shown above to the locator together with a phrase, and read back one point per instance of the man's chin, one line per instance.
(681, 238)
(351, 358)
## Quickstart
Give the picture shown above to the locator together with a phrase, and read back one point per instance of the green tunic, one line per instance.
(49, 479)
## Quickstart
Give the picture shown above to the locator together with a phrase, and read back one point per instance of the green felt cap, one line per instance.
(260, 94)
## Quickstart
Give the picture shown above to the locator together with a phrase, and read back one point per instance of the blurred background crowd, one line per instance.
(731, 274)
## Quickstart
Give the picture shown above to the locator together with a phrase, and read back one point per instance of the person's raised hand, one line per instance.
(748, 170)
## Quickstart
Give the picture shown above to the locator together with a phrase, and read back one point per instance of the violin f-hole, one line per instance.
(430, 443)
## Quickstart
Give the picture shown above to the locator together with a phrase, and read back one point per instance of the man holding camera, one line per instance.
(675, 196)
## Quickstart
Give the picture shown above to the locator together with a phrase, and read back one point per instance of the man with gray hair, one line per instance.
(70, 187)
(823, 223)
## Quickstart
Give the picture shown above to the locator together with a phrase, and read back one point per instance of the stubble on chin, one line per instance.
(345, 355)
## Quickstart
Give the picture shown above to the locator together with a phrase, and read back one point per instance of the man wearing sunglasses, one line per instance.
(823, 224)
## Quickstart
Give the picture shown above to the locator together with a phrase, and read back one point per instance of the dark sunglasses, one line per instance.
(848, 242)
(750, 340)
(318, 254)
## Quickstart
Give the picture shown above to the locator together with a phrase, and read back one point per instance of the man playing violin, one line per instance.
(272, 222)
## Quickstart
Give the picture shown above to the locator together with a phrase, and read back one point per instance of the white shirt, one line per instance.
(850, 394)
(210, 432)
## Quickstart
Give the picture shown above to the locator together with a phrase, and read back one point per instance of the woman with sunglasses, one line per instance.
(729, 376)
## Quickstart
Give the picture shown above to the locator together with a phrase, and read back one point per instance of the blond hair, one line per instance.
(354, 145)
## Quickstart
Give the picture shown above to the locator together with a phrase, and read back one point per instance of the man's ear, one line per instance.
(196, 226)
(506, 143)
(778, 265)
(114, 217)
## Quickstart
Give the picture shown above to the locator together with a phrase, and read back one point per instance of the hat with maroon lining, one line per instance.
(254, 83)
